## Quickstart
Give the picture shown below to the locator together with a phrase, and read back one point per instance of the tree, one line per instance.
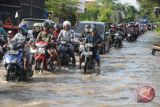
(147, 7)
(64, 9)
(130, 13)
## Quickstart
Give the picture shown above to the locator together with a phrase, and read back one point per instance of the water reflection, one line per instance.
(122, 71)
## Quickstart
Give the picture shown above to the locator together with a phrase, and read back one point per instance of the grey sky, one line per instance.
(131, 2)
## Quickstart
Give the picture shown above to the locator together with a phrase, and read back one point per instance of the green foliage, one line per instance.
(147, 7)
(91, 13)
(65, 9)
(105, 15)
(130, 13)
(102, 10)
(106, 11)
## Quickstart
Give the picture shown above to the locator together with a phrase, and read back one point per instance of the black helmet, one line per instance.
(93, 29)
(57, 26)
(51, 25)
(87, 26)
(46, 24)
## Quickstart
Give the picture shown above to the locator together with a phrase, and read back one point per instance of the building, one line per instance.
(24, 8)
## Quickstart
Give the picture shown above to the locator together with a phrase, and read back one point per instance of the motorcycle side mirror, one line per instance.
(72, 40)
(107, 33)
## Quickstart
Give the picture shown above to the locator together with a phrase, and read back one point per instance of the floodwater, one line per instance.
(122, 72)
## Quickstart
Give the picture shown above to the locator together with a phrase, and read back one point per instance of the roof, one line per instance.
(94, 22)
(34, 19)
(10, 6)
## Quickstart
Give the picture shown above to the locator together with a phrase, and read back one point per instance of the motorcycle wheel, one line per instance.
(50, 64)
(116, 44)
(120, 44)
(153, 52)
(87, 64)
(39, 66)
(11, 76)
(8, 76)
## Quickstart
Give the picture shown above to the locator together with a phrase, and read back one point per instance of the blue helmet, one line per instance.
(23, 27)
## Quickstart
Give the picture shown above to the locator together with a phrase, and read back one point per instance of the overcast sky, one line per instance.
(132, 2)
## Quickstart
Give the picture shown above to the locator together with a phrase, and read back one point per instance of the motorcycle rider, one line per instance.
(119, 35)
(46, 35)
(96, 39)
(10, 35)
(82, 38)
(67, 35)
(36, 30)
(112, 31)
(120, 30)
(24, 37)
(56, 31)
(86, 31)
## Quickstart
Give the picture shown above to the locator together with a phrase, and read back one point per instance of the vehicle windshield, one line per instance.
(30, 23)
(80, 28)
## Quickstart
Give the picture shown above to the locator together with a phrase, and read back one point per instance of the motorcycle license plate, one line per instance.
(13, 52)
(87, 53)
(89, 45)
(41, 50)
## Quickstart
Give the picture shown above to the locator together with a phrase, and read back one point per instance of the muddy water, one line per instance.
(122, 72)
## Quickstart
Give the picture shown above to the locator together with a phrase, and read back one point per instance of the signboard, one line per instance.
(81, 6)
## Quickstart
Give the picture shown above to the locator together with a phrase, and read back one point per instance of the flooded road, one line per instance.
(122, 72)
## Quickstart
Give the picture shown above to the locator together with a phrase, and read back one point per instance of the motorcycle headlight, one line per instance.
(81, 48)
(129, 35)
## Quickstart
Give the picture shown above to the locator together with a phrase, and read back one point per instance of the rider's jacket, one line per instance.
(55, 34)
(19, 38)
(84, 34)
(45, 37)
(35, 34)
(65, 35)
(95, 40)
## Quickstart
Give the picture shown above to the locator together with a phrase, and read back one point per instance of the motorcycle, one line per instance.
(65, 58)
(130, 36)
(13, 63)
(141, 30)
(136, 34)
(88, 53)
(40, 57)
(117, 40)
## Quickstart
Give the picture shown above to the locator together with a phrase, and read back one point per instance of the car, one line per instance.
(31, 21)
(101, 26)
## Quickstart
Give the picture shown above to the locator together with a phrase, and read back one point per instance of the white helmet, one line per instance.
(37, 25)
(66, 23)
